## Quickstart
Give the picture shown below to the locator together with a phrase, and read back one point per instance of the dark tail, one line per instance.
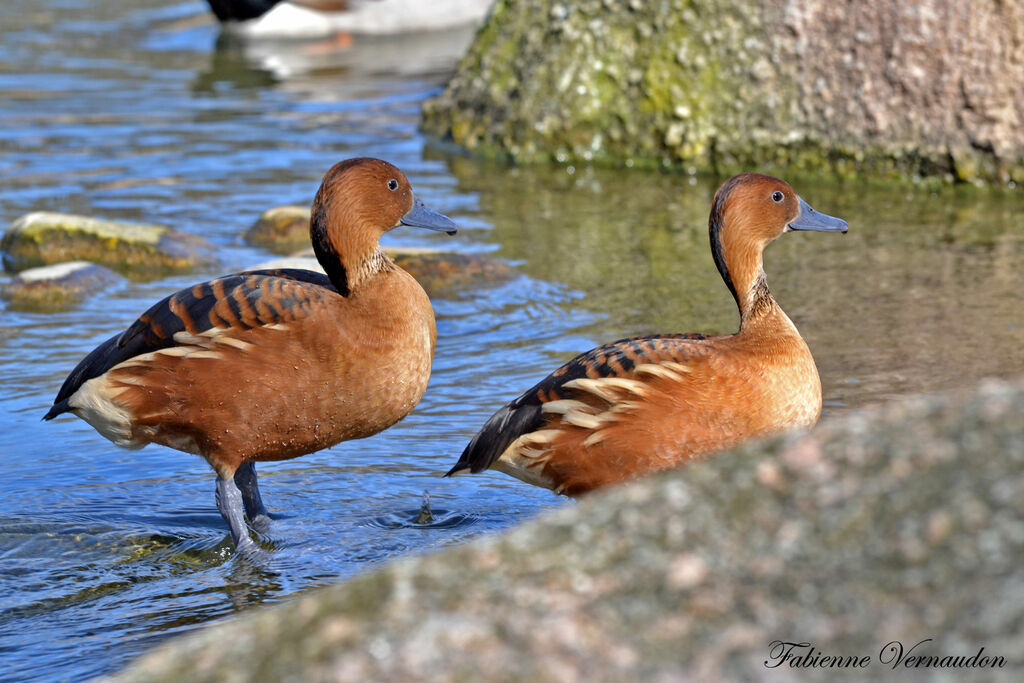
(57, 408)
(504, 427)
(240, 10)
(99, 360)
(461, 466)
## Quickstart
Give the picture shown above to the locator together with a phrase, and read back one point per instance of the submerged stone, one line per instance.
(868, 88)
(282, 229)
(57, 286)
(445, 273)
(138, 250)
(873, 534)
(302, 261)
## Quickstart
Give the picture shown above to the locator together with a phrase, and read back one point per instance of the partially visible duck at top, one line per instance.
(312, 18)
(275, 364)
(645, 404)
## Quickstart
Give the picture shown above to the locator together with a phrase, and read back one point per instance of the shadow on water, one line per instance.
(231, 66)
(138, 111)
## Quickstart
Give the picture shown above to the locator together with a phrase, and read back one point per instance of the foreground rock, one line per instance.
(44, 238)
(873, 88)
(442, 274)
(895, 526)
(58, 286)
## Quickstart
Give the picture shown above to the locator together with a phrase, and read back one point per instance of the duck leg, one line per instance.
(229, 502)
(245, 479)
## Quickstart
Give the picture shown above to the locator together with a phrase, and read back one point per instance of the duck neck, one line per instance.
(350, 261)
(368, 265)
(740, 264)
(756, 303)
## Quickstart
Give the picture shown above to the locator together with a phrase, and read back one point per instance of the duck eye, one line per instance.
(777, 197)
(392, 184)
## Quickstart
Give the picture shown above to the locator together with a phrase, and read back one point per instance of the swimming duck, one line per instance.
(308, 18)
(275, 364)
(644, 404)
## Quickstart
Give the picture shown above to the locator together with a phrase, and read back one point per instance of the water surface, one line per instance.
(136, 111)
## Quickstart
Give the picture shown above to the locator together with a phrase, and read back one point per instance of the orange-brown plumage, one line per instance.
(650, 403)
(274, 364)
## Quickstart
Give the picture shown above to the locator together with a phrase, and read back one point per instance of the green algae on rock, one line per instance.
(58, 286)
(141, 251)
(282, 229)
(866, 89)
(903, 523)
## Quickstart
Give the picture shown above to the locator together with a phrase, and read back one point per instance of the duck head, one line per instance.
(359, 200)
(748, 212)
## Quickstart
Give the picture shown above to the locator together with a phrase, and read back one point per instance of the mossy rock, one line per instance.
(137, 250)
(865, 89)
(57, 287)
(282, 229)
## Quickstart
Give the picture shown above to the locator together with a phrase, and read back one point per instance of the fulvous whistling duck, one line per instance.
(650, 403)
(274, 364)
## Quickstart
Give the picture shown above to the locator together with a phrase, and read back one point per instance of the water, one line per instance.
(134, 110)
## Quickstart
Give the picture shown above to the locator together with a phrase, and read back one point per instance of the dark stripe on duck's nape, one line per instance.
(324, 250)
(715, 230)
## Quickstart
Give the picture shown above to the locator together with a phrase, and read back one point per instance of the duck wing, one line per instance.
(606, 367)
(240, 301)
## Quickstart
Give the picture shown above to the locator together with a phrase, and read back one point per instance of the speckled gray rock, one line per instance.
(58, 286)
(141, 251)
(901, 524)
(873, 88)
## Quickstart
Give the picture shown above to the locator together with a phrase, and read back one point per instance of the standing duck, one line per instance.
(274, 364)
(309, 18)
(645, 404)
